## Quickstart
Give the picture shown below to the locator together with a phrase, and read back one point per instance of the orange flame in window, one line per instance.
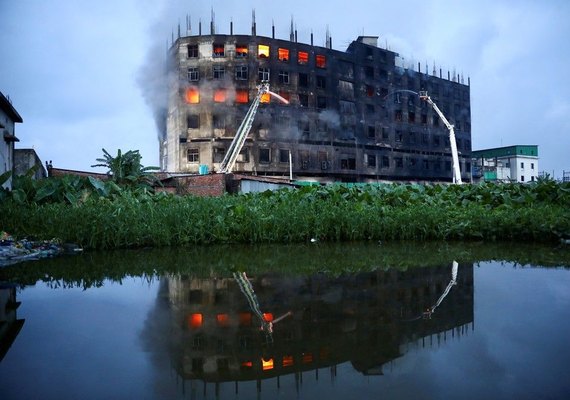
(223, 319)
(242, 96)
(283, 54)
(265, 365)
(192, 96)
(303, 57)
(195, 320)
(263, 51)
(287, 361)
(220, 95)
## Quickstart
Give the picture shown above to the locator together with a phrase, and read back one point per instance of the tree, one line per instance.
(126, 169)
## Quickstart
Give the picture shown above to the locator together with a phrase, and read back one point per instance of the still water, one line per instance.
(363, 322)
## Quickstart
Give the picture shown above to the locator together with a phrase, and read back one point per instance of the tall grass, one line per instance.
(538, 212)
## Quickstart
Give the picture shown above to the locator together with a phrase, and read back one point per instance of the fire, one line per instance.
(192, 95)
(241, 50)
(268, 317)
(303, 57)
(307, 358)
(263, 51)
(220, 95)
(287, 361)
(321, 61)
(218, 50)
(242, 96)
(267, 364)
(223, 319)
(195, 320)
(283, 54)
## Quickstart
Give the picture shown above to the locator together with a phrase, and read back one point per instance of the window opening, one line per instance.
(193, 74)
(263, 74)
(192, 51)
(284, 155)
(264, 156)
(303, 80)
(243, 156)
(192, 95)
(219, 50)
(220, 95)
(193, 121)
(263, 51)
(219, 121)
(283, 54)
(241, 50)
(219, 154)
(303, 57)
(241, 72)
(242, 96)
(219, 71)
(193, 155)
(321, 61)
(284, 77)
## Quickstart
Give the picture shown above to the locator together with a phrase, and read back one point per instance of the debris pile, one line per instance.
(14, 251)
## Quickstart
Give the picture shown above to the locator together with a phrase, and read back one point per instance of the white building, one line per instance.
(517, 163)
(8, 118)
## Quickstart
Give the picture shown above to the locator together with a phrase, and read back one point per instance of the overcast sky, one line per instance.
(72, 68)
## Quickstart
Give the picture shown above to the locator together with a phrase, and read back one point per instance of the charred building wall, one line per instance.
(353, 115)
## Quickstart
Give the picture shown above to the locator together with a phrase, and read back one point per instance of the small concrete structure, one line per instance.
(25, 159)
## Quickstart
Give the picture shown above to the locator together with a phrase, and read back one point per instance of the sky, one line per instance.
(79, 72)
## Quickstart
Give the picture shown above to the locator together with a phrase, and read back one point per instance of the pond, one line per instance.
(391, 321)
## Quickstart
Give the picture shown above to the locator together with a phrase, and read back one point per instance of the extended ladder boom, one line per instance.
(237, 143)
(454, 154)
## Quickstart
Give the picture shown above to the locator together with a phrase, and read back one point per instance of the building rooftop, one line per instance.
(8, 108)
(522, 150)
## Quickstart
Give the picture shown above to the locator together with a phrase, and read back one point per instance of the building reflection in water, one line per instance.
(367, 319)
(10, 325)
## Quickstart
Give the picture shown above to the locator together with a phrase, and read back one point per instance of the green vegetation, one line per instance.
(332, 259)
(103, 216)
(126, 169)
(127, 176)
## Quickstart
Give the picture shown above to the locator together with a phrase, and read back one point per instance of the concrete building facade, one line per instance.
(8, 119)
(353, 115)
(517, 163)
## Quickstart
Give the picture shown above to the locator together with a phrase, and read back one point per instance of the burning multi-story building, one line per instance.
(261, 326)
(353, 115)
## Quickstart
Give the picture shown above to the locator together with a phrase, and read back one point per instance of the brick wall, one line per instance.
(62, 172)
(202, 185)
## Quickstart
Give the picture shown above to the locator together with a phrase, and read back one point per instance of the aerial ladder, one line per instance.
(454, 266)
(454, 155)
(232, 154)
